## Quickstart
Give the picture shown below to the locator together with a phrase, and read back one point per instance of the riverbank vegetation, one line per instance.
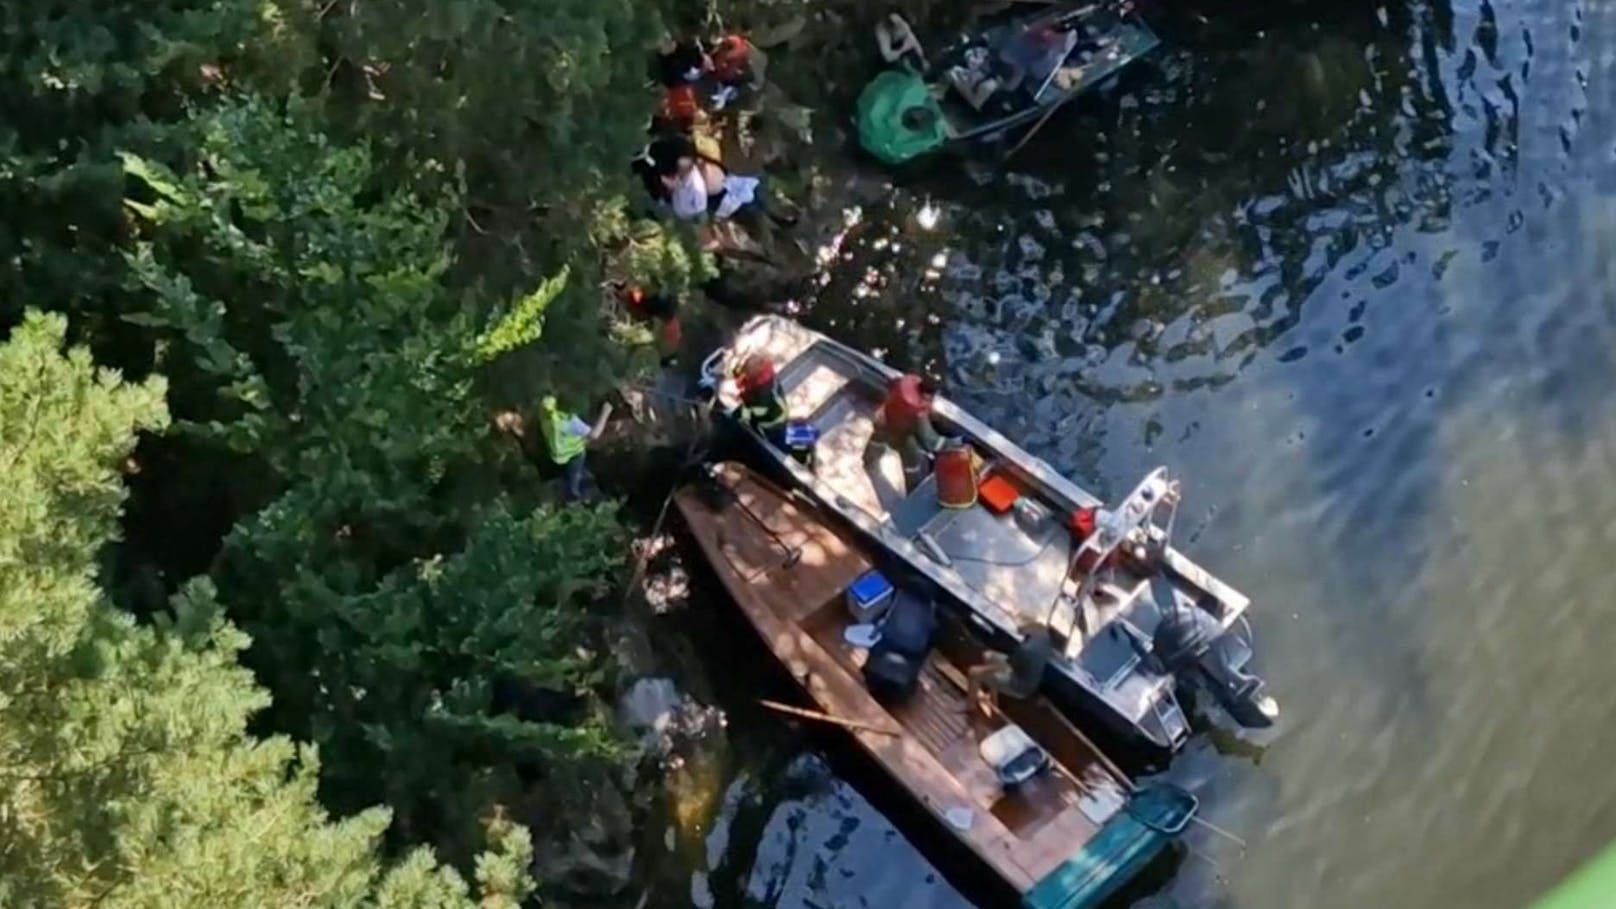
(285, 620)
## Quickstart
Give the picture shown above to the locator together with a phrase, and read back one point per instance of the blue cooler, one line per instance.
(869, 596)
(801, 437)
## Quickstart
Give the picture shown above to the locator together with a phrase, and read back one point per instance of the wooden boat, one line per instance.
(1064, 838)
(1132, 615)
(1037, 61)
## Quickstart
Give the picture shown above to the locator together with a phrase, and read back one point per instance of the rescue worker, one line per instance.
(660, 309)
(567, 439)
(904, 425)
(761, 406)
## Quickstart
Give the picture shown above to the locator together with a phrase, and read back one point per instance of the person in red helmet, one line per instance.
(761, 406)
(904, 425)
(659, 308)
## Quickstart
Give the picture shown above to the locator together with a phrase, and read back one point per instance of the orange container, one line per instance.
(998, 494)
(956, 477)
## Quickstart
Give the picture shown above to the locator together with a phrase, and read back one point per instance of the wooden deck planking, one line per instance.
(797, 610)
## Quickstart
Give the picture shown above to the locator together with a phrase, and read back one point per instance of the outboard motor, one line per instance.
(1190, 638)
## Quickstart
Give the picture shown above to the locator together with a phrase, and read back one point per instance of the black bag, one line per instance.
(909, 625)
(896, 660)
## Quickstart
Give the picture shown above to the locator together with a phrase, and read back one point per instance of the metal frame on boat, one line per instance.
(1126, 634)
(1064, 831)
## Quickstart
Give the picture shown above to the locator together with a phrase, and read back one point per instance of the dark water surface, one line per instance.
(1353, 280)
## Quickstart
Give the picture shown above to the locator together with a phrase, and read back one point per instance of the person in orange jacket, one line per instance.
(904, 425)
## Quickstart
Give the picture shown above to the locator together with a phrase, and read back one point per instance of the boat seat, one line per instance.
(1013, 755)
(914, 511)
(1110, 655)
(810, 382)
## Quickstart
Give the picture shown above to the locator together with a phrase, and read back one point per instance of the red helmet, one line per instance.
(755, 371)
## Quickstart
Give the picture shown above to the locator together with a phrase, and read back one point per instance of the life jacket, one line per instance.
(679, 105)
(563, 446)
(905, 404)
(955, 470)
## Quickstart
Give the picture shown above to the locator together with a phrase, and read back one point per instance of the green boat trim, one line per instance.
(1593, 886)
(1153, 816)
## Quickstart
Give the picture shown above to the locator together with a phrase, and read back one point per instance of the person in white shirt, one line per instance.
(701, 187)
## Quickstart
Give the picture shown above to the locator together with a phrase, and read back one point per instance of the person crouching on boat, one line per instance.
(761, 406)
(904, 425)
(1017, 674)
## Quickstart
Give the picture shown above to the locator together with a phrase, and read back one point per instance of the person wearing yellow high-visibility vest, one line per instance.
(567, 438)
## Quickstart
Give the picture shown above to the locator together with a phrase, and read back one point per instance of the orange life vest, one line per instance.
(679, 104)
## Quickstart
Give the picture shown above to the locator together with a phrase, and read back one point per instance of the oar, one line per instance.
(828, 718)
(1027, 136)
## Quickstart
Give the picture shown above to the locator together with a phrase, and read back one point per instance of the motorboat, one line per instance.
(1133, 617)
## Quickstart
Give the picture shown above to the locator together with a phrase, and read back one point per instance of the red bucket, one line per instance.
(956, 477)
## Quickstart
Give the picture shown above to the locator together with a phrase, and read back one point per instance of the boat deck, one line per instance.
(1021, 566)
(797, 608)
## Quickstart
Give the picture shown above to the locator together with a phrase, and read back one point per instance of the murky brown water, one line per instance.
(1353, 281)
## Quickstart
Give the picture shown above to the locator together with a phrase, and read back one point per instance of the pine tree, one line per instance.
(127, 775)
(387, 585)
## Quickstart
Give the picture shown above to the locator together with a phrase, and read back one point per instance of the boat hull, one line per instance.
(1064, 838)
(1107, 677)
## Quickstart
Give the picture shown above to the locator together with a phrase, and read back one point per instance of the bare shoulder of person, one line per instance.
(713, 174)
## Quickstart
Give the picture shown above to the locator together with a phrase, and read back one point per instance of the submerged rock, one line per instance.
(664, 720)
(595, 858)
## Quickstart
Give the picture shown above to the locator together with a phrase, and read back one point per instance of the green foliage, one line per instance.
(310, 219)
(127, 777)
(78, 85)
(534, 108)
(383, 600)
(305, 302)
(524, 323)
